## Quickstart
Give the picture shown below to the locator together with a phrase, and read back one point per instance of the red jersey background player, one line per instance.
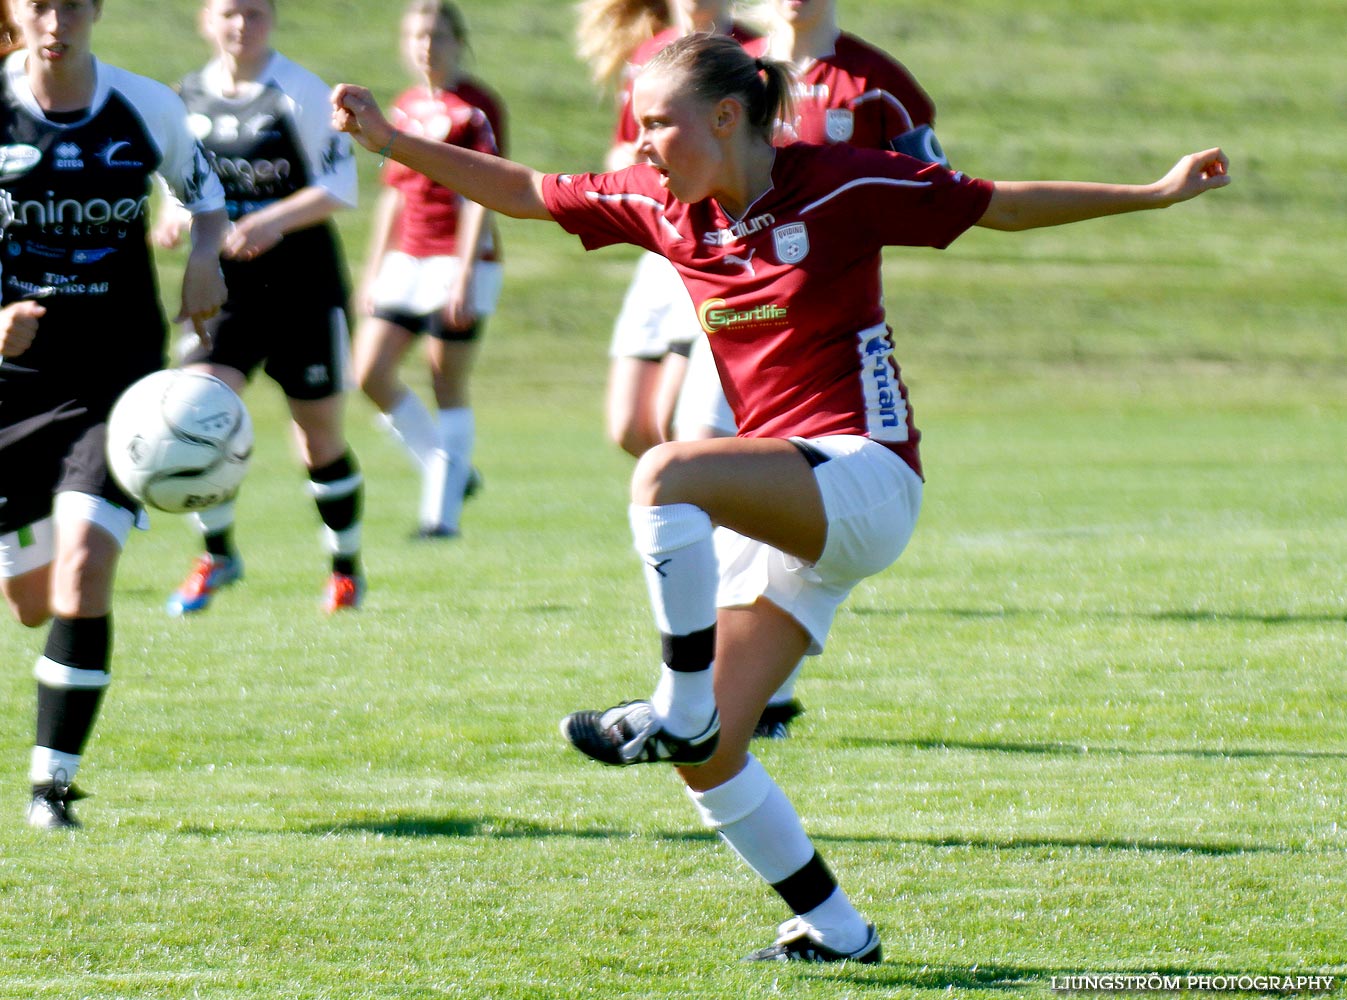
(433, 268)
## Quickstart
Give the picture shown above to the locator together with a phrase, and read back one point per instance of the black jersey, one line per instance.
(78, 191)
(267, 142)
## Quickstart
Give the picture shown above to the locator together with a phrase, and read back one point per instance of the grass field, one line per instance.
(1094, 720)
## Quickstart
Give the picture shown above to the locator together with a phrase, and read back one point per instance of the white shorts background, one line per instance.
(657, 312)
(701, 400)
(420, 285)
(872, 498)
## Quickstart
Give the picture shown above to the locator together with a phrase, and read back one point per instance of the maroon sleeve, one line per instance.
(603, 209)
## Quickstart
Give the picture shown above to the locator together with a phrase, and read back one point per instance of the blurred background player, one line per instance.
(264, 123)
(843, 90)
(656, 325)
(823, 482)
(70, 342)
(433, 268)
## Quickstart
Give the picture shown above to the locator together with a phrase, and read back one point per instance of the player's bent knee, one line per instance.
(662, 475)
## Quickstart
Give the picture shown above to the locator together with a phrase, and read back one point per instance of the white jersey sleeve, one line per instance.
(182, 165)
(328, 153)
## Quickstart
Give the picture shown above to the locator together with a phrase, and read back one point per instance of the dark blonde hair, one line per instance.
(442, 10)
(609, 31)
(715, 67)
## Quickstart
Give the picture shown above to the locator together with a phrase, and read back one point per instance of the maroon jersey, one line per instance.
(468, 116)
(856, 94)
(627, 129)
(790, 294)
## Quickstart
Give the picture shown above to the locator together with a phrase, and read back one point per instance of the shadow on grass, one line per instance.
(1173, 615)
(1079, 750)
(434, 825)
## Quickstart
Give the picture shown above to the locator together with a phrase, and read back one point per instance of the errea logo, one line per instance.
(69, 156)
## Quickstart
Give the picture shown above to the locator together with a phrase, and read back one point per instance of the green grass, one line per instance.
(1093, 720)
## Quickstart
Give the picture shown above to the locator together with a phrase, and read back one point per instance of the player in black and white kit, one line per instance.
(80, 320)
(265, 124)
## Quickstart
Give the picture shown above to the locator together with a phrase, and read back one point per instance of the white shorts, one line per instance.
(701, 400)
(871, 497)
(657, 314)
(34, 545)
(420, 285)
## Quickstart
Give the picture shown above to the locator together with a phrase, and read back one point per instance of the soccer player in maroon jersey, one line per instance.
(433, 268)
(823, 479)
(80, 321)
(843, 90)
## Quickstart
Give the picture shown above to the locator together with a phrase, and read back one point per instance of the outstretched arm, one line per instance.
(492, 181)
(1017, 205)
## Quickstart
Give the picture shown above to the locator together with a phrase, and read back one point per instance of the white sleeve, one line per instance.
(329, 154)
(182, 161)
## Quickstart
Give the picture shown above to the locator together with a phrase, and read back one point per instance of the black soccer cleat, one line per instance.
(774, 723)
(49, 809)
(794, 944)
(631, 734)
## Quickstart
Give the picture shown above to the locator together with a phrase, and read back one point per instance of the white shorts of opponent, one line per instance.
(872, 498)
(657, 314)
(702, 406)
(420, 286)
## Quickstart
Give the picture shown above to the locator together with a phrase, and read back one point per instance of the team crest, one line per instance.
(792, 243)
(839, 124)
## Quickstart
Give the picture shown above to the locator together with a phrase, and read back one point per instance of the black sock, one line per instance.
(338, 491)
(72, 676)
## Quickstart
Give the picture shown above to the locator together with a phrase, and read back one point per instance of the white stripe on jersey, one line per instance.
(860, 182)
(885, 408)
(883, 95)
(642, 199)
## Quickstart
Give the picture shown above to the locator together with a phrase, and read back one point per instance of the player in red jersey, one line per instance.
(824, 476)
(844, 90)
(433, 268)
(656, 326)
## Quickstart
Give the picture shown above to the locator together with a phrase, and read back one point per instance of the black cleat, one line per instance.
(630, 734)
(774, 723)
(794, 944)
(49, 808)
(474, 484)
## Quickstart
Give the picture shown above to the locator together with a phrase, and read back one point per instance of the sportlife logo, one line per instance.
(714, 315)
(69, 156)
(886, 413)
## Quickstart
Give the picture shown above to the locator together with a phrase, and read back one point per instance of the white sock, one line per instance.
(684, 700)
(674, 543)
(786, 692)
(679, 559)
(46, 766)
(447, 470)
(409, 421)
(214, 520)
(753, 815)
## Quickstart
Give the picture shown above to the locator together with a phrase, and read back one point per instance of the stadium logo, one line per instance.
(17, 159)
(792, 243)
(714, 315)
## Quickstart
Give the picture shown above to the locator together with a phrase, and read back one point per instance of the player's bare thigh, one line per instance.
(760, 487)
(379, 349)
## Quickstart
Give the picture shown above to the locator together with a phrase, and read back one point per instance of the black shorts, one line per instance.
(286, 313)
(59, 450)
(431, 324)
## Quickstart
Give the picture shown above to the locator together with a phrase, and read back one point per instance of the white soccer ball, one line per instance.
(179, 440)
